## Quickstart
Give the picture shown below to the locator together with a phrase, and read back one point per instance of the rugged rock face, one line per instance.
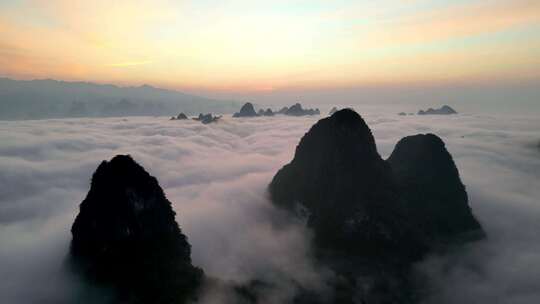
(338, 181)
(125, 238)
(372, 219)
(444, 110)
(247, 110)
(429, 182)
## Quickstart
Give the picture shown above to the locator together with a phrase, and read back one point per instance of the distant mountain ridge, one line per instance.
(48, 98)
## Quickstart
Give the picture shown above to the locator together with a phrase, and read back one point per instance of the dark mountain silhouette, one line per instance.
(247, 110)
(444, 110)
(344, 187)
(373, 218)
(180, 116)
(268, 112)
(429, 182)
(297, 110)
(207, 118)
(125, 238)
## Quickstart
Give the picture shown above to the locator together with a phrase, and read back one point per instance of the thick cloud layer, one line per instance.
(216, 176)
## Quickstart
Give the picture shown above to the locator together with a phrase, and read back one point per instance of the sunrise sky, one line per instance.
(271, 45)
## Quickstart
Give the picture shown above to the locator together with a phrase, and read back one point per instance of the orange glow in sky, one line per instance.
(270, 45)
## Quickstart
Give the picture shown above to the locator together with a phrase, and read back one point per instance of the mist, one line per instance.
(492, 97)
(45, 99)
(48, 98)
(216, 177)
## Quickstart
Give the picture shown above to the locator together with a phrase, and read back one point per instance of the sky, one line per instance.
(271, 46)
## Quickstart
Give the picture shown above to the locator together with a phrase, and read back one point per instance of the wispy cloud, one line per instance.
(251, 44)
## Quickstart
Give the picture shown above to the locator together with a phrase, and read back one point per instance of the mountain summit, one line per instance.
(247, 110)
(125, 238)
(429, 182)
(346, 191)
(372, 218)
